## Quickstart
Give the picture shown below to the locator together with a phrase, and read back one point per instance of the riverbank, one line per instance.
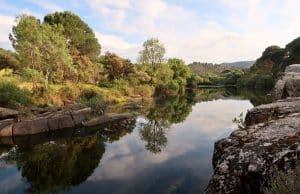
(267, 143)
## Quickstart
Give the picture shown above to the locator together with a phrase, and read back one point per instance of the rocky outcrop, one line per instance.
(270, 141)
(246, 159)
(289, 84)
(47, 122)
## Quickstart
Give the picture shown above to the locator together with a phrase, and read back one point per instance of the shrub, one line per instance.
(13, 96)
(92, 98)
(69, 92)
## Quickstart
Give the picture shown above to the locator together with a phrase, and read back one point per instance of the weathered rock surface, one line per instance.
(266, 112)
(245, 160)
(29, 127)
(53, 120)
(289, 84)
(8, 113)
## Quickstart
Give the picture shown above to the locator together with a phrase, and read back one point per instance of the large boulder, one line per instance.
(289, 84)
(266, 112)
(8, 113)
(249, 156)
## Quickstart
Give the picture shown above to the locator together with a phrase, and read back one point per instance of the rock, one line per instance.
(8, 113)
(248, 157)
(295, 68)
(111, 117)
(267, 112)
(6, 131)
(81, 115)
(289, 84)
(29, 127)
(60, 121)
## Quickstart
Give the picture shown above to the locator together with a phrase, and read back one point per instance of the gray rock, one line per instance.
(295, 68)
(29, 127)
(81, 115)
(249, 156)
(60, 121)
(8, 113)
(267, 112)
(289, 84)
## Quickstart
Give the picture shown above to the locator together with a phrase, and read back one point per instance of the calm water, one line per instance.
(167, 149)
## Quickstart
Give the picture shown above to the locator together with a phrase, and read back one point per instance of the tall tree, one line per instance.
(42, 48)
(82, 43)
(152, 53)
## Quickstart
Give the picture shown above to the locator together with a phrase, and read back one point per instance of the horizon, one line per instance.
(221, 31)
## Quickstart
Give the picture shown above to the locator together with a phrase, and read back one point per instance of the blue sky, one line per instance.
(194, 30)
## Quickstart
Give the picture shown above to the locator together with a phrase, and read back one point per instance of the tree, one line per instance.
(116, 67)
(181, 72)
(152, 53)
(42, 47)
(82, 43)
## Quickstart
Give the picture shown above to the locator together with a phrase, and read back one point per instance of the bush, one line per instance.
(68, 92)
(92, 98)
(12, 96)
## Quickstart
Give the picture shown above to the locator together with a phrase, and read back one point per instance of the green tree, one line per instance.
(152, 53)
(82, 43)
(42, 47)
(116, 67)
(181, 72)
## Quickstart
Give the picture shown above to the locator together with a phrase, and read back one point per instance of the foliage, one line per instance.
(13, 96)
(82, 44)
(42, 48)
(256, 81)
(284, 183)
(116, 67)
(8, 59)
(152, 53)
(93, 99)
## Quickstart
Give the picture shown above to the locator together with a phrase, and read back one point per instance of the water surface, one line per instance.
(166, 149)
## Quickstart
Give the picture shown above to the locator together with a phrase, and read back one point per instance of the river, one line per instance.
(167, 149)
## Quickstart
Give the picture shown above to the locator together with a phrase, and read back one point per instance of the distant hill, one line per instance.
(239, 64)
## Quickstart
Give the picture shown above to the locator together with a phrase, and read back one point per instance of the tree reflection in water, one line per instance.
(161, 116)
(59, 164)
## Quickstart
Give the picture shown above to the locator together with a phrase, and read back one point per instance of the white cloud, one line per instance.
(118, 45)
(6, 23)
(256, 24)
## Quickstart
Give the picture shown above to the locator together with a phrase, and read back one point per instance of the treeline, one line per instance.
(262, 75)
(59, 59)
